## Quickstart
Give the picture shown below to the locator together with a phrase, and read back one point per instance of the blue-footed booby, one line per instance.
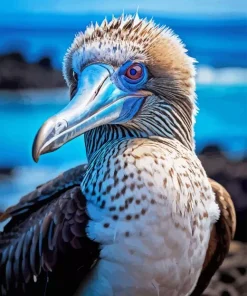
(141, 218)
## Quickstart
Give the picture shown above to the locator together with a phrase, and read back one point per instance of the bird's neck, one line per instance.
(96, 138)
(167, 119)
(173, 119)
(158, 118)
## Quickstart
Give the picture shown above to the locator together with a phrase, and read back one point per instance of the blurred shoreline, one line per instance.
(16, 74)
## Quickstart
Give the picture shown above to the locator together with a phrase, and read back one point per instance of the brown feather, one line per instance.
(221, 236)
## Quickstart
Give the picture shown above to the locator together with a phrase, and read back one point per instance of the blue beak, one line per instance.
(98, 101)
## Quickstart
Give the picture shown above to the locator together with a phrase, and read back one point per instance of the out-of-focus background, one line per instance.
(34, 36)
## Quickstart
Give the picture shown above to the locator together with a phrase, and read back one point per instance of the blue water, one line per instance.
(219, 42)
(222, 120)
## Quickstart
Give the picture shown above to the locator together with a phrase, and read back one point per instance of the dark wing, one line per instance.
(45, 250)
(45, 193)
(221, 236)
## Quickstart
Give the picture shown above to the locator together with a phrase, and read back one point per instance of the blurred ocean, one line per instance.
(218, 44)
(213, 41)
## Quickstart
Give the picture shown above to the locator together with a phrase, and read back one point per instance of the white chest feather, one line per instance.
(152, 211)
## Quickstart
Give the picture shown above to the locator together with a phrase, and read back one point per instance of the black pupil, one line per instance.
(133, 72)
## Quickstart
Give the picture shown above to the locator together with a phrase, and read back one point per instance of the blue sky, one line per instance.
(208, 7)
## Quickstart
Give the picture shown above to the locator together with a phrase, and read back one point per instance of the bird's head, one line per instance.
(130, 75)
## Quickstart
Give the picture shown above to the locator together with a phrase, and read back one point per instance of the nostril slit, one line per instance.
(60, 126)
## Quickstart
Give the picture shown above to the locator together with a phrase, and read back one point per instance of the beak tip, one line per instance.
(36, 159)
(35, 150)
(35, 155)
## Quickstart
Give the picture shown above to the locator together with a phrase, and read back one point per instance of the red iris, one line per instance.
(134, 72)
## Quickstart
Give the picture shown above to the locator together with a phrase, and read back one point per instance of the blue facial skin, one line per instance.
(133, 104)
(130, 108)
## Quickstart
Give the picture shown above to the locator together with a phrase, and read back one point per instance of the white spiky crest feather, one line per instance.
(129, 37)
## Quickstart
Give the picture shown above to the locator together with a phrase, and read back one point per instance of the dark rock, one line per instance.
(6, 171)
(45, 62)
(15, 56)
(211, 150)
(6, 174)
(16, 73)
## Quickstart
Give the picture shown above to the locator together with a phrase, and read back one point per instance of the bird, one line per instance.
(141, 217)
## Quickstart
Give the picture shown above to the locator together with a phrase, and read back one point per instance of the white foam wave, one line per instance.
(225, 76)
(36, 96)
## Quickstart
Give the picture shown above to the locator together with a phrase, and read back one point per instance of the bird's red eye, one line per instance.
(134, 72)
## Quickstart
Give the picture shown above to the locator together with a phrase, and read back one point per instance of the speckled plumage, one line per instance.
(152, 210)
(145, 220)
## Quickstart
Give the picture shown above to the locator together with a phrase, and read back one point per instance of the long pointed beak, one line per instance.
(98, 101)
